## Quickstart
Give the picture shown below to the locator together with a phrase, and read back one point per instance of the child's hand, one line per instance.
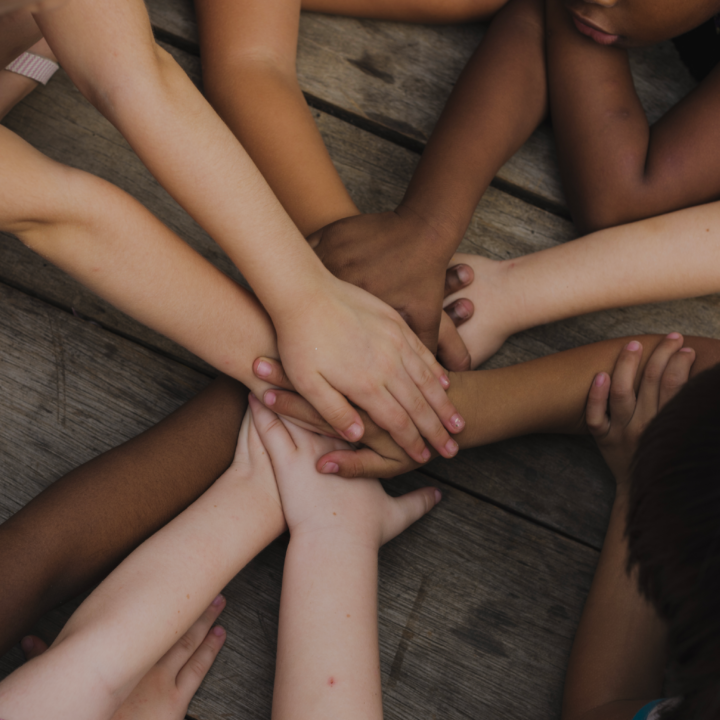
(344, 344)
(358, 510)
(615, 417)
(396, 257)
(166, 691)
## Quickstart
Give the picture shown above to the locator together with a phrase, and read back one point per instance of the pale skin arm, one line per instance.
(546, 395)
(152, 598)
(618, 657)
(664, 258)
(328, 663)
(147, 96)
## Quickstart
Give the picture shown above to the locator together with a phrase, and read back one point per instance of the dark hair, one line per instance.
(673, 531)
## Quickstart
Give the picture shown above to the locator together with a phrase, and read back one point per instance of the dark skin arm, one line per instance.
(615, 167)
(618, 657)
(546, 395)
(498, 101)
(73, 533)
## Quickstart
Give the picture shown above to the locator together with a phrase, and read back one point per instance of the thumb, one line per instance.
(452, 352)
(271, 370)
(33, 646)
(406, 509)
(273, 433)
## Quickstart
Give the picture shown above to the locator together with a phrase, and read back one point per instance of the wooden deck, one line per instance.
(479, 601)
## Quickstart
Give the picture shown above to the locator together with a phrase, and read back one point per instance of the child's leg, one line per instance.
(74, 532)
(14, 85)
(420, 11)
(665, 258)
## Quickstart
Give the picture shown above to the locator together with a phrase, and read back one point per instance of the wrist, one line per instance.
(439, 232)
(339, 538)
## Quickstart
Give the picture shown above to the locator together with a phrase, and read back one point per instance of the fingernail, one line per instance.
(633, 345)
(457, 421)
(263, 369)
(461, 311)
(438, 496)
(463, 272)
(218, 601)
(686, 350)
(269, 397)
(425, 455)
(673, 336)
(354, 432)
(451, 447)
(600, 379)
(218, 631)
(445, 381)
(330, 468)
(27, 644)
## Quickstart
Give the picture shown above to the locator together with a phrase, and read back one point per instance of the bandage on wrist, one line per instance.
(34, 67)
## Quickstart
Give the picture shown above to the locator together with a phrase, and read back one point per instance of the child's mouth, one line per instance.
(594, 33)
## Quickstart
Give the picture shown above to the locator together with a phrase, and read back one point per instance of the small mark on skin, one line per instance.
(188, 597)
(348, 616)
(334, 513)
(331, 681)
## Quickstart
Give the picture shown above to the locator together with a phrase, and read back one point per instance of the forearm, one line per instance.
(547, 394)
(77, 530)
(328, 656)
(182, 141)
(618, 655)
(601, 130)
(665, 258)
(248, 52)
(147, 603)
(498, 101)
(117, 248)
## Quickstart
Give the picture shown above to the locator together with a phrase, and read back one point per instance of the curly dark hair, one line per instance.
(673, 531)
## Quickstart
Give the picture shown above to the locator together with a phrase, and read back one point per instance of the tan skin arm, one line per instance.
(615, 167)
(546, 395)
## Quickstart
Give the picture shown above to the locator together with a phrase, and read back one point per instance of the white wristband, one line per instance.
(34, 67)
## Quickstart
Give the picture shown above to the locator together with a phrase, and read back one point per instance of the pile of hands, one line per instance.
(386, 310)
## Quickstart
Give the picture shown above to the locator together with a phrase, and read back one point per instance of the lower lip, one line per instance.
(600, 37)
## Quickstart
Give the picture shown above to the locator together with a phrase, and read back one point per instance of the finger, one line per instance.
(457, 277)
(271, 370)
(676, 375)
(451, 349)
(33, 646)
(363, 463)
(273, 433)
(336, 410)
(460, 311)
(183, 649)
(437, 405)
(649, 390)
(409, 508)
(596, 410)
(196, 668)
(622, 387)
(296, 408)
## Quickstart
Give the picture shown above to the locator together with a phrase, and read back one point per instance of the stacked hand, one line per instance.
(616, 417)
(398, 257)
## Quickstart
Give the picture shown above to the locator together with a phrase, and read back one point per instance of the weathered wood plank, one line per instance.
(398, 77)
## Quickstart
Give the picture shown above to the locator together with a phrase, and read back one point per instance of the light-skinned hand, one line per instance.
(343, 344)
(166, 691)
(396, 256)
(359, 511)
(616, 417)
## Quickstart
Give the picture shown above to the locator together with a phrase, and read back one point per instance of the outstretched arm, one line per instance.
(615, 167)
(328, 657)
(543, 395)
(130, 621)
(108, 50)
(618, 658)
(72, 534)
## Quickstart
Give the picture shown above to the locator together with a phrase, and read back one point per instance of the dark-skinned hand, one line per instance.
(398, 257)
